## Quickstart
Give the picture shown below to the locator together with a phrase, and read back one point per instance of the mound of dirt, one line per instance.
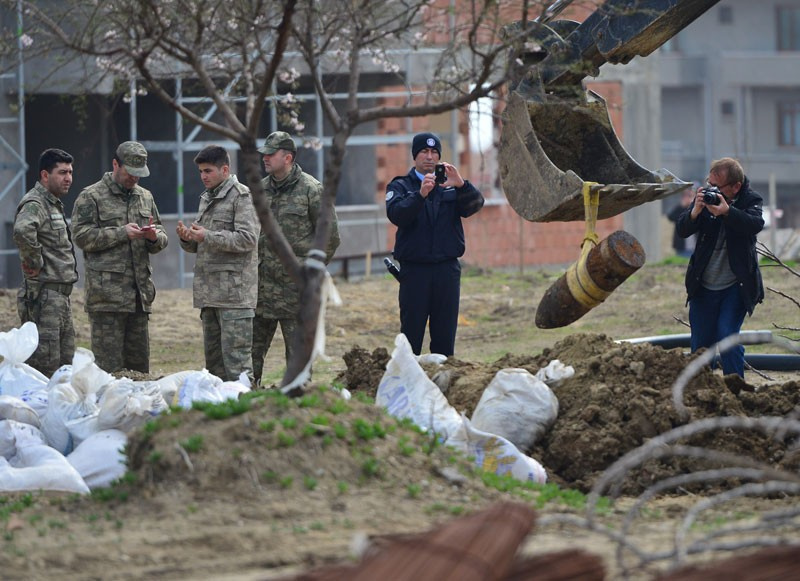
(620, 397)
(321, 444)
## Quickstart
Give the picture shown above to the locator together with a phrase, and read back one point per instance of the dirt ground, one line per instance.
(288, 485)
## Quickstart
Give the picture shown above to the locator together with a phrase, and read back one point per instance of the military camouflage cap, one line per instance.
(278, 140)
(133, 156)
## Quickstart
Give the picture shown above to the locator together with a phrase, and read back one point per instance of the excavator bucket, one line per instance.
(548, 149)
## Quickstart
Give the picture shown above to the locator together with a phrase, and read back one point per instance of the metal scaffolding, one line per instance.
(16, 152)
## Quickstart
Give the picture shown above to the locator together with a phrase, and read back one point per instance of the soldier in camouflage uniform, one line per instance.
(48, 262)
(117, 225)
(224, 235)
(295, 200)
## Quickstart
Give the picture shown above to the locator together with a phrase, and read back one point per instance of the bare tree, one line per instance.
(237, 47)
(336, 39)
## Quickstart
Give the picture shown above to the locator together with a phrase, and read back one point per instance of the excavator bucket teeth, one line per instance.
(549, 149)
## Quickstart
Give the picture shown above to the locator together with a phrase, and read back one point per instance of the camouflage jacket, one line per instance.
(116, 267)
(43, 237)
(226, 271)
(295, 202)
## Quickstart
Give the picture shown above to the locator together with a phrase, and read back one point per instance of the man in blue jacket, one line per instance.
(429, 242)
(723, 281)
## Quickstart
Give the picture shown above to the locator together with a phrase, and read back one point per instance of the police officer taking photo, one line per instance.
(427, 206)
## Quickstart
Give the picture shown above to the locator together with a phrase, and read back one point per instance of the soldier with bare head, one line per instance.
(117, 225)
(224, 236)
(45, 247)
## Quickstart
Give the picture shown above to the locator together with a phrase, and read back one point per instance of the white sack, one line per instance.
(27, 463)
(13, 433)
(61, 375)
(495, 454)
(517, 406)
(100, 458)
(555, 373)
(87, 378)
(37, 399)
(126, 405)
(198, 386)
(169, 384)
(66, 406)
(16, 347)
(13, 408)
(40, 468)
(407, 392)
(233, 389)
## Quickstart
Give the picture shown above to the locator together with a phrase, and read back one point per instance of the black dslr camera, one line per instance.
(711, 196)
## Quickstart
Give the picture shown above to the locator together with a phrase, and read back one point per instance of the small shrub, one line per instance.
(370, 467)
(193, 444)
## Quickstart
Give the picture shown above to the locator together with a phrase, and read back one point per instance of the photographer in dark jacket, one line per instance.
(723, 281)
(430, 239)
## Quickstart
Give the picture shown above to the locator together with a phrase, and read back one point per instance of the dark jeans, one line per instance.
(430, 293)
(715, 315)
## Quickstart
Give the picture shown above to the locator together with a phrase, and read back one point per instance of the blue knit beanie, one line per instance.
(423, 140)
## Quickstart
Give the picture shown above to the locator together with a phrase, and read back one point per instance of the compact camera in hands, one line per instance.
(712, 196)
(439, 174)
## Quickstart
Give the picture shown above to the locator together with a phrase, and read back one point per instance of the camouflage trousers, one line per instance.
(52, 313)
(121, 340)
(263, 331)
(228, 342)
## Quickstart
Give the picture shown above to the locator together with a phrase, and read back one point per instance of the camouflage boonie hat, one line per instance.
(133, 156)
(278, 140)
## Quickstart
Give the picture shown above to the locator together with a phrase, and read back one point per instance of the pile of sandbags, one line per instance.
(68, 432)
(515, 409)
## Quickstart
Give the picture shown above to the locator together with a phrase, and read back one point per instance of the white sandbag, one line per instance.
(555, 372)
(431, 358)
(61, 375)
(517, 406)
(495, 454)
(100, 458)
(87, 378)
(16, 347)
(13, 433)
(81, 428)
(169, 384)
(407, 392)
(125, 404)
(14, 408)
(233, 389)
(198, 386)
(65, 405)
(37, 399)
(39, 467)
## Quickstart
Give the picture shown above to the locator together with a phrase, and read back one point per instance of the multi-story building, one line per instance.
(730, 86)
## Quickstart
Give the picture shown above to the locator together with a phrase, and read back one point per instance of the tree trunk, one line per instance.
(312, 277)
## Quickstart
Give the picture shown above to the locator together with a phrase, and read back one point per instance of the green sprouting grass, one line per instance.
(193, 444)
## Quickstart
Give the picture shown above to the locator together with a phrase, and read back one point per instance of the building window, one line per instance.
(788, 28)
(789, 124)
(726, 15)
(726, 107)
